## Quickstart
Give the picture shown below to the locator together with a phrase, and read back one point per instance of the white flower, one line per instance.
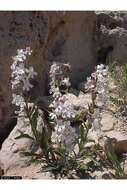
(89, 84)
(31, 72)
(57, 78)
(66, 82)
(52, 116)
(14, 84)
(56, 93)
(18, 100)
(100, 67)
(26, 84)
(18, 72)
(28, 50)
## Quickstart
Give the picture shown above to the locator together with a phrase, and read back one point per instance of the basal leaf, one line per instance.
(24, 136)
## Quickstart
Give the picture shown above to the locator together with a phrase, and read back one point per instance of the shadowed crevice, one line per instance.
(103, 53)
(6, 130)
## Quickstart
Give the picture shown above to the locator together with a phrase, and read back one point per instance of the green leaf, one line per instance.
(23, 135)
(49, 169)
(34, 123)
(59, 153)
(25, 153)
(36, 161)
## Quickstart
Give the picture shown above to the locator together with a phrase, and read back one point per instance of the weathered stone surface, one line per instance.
(112, 19)
(9, 154)
(116, 141)
(34, 171)
(112, 36)
(79, 102)
(112, 137)
(74, 42)
(115, 42)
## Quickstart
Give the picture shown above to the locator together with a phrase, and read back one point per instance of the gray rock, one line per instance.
(116, 141)
(10, 152)
(108, 122)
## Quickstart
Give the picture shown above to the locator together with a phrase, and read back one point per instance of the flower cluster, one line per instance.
(58, 78)
(63, 111)
(18, 101)
(20, 73)
(102, 85)
(54, 71)
(98, 85)
(21, 76)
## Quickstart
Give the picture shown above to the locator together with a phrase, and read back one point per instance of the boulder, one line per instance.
(79, 102)
(33, 171)
(111, 136)
(10, 155)
(116, 141)
(108, 122)
(10, 151)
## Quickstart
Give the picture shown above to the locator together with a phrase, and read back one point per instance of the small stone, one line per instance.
(89, 144)
(116, 141)
(108, 122)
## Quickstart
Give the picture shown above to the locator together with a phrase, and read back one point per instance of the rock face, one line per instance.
(74, 42)
(10, 152)
(112, 36)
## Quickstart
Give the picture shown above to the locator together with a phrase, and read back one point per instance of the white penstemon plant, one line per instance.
(97, 84)
(62, 113)
(21, 76)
